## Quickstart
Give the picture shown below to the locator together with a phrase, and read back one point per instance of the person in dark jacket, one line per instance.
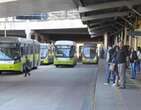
(121, 60)
(115, 63)
(102, 53)
(27, 67)
(108, 70)
(133, 62)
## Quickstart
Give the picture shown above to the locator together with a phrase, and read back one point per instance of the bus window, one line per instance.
(65, 51)
(9, 53)
(72, 51)
(22, 51)
(89, 52)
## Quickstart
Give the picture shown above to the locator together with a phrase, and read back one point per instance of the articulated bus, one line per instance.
(13, 51)
(89, 53)
(46, 53)
(65, 53)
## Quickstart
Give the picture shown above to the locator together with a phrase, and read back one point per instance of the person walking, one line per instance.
(133, 62)
(115, 63)
(27, 67)
(121, 60)
(108, 66)
(102, 53)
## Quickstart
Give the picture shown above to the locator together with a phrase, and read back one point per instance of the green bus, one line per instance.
(65, 53)
(13, 51)
(46, 53)
(89, 53)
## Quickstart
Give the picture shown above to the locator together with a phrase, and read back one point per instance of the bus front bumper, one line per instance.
(44, 61)
(64, 61)
(11, 67)
(90, 61)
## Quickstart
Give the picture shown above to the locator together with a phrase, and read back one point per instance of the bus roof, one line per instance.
(65, 42)
(15, 40)
(44, 44)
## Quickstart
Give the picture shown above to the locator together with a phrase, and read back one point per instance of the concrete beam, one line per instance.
(103, 16)
(102, 30)
(103, 26)
(109, 5)
(101, 23)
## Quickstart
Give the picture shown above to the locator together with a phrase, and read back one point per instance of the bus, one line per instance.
(65, 53)
(36, 54)
(46, 53)
(13, 51)
(89, 53)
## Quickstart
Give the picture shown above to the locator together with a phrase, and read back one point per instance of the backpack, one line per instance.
(139, 55)
(111, 52)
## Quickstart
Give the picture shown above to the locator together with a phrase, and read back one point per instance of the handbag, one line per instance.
(112, 67)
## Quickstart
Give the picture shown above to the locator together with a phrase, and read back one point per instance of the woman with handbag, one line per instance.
(133, 62)
(110, 67)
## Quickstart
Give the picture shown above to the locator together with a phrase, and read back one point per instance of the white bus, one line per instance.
(13, 51)
(65, 53)
(89, 53)
(46, 53)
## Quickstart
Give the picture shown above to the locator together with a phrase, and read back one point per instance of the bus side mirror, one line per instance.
(16, 57)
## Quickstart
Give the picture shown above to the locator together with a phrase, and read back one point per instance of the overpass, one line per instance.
(107, 17)
(26, 28)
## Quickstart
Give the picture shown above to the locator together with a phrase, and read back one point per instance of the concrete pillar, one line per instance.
(5, 30)
(130, 40)
(36, 36)
(116, 40)
(42, 38)
(121, 35)
(125, 35)
(136, 42)
(105, 40)
(28, 33)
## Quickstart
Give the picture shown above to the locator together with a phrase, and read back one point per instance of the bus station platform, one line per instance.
(108, 97)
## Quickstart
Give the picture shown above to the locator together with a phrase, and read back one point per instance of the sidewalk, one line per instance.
(112, 98)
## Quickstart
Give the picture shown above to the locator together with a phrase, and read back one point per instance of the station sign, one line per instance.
(41, 16)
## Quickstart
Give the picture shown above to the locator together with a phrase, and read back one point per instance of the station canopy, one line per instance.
(110, 15)
(100, 15)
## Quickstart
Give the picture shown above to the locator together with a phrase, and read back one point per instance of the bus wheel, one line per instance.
(19, 72)
(72, 66)
(36, 67)
(57, 66)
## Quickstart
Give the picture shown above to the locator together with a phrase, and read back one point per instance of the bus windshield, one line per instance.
(64, 51)
(8, 52)
(43, 52)
(89, 52)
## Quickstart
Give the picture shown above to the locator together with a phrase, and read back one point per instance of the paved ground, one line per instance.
(111, 98)
(49, 88)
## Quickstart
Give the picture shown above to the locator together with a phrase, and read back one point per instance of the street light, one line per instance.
(5, 32)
